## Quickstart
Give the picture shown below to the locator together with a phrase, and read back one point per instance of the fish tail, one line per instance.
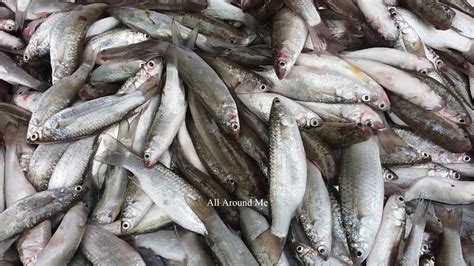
(19, 19)
(451, 218)
(273, 244)
(116, 153)
(201, 209)
(322, 39)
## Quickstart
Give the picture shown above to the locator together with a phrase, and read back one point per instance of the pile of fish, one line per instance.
(243, 132)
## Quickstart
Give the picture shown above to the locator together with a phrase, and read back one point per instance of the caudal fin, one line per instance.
(115, 152)
(450, 217)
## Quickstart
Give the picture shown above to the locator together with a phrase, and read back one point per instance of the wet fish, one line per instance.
(29, 211)
(365, 185)
(288, 168)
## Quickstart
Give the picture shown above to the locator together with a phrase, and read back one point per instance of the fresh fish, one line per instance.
(358, 114)
(13, 74)
(288, 168)
(39, 43)
(67, 37)
(377, 15)
(109, 205)
(341, 134)
(390, 233)
(159, 190)
(101, 247)
(393, 57)
(69, 172)
(441, 190)
(66, 239)
(339, 248)
(398, 81)
(431, 126)
(170, 114)
(315, 212)
(135, 206)
(207, 85)
(289, 34)
(28, 212)
(411, 251)
(361, 190)
(58, 97)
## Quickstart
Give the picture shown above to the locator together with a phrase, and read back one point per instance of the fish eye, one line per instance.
(466, 158)
(125, 225)
(457, 176)
(369, 123)
(424, 247)
(359, 253)
(151, 64)
(9, 27)
(299, 249)
(365, 98)
(432, 258)
(424, 71)
(147, 155)
(234, 125)
(26, 57)
(389, 176)
(461, 121)
(439, 63)
(34, 136)
(15, 48)
(398, 26)
(314, 122)
(228, 50)
(231, 181)
(382, 106)
(232, 40)
(424, 154)
(322, 250)
(147, 36)
(276, 100)
(401, 198)
(282, 63)
(263, 87)
(78, 188)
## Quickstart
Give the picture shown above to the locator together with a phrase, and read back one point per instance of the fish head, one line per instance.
(307, 255)
(359, 251)
(444, 15)
(282, 63)
(7, 24)
(231, 123)
(70, 195)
